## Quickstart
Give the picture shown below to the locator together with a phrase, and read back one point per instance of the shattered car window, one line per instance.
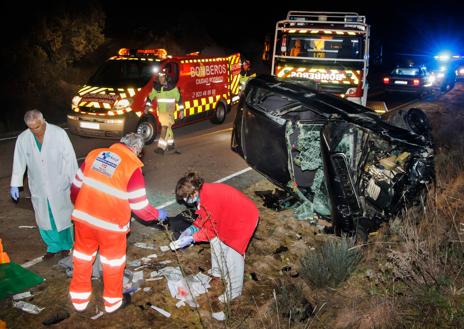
(340, 161)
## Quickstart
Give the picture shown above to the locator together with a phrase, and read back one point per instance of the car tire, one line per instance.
(220, 113)
(148, 128)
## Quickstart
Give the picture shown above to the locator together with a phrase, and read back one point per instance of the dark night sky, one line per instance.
(415, 27)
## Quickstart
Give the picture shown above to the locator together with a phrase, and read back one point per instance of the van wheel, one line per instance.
(219, 113)
(148, 128)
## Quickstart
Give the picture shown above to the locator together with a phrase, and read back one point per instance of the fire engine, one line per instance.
(328, 51)
(114, 100)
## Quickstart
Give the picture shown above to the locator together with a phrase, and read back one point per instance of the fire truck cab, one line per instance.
(328, 51)
(114, 100)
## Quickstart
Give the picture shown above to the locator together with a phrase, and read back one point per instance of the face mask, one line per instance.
(192, 200)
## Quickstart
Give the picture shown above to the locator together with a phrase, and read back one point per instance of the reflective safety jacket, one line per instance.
(103, 199)
(166, 98)
(226, 213)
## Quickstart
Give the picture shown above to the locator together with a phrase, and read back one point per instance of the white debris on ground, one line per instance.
(160, 310)
(145, 245)
(22, 295)
(28, 307)
(220, 316)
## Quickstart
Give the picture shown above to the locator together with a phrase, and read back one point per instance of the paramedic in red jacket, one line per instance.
(227, 219)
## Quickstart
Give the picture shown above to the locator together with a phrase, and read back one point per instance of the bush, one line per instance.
(291, 303)
(331, 264)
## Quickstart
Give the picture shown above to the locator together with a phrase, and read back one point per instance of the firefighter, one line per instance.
(107, 187)
(166, 95)
(227, 219)
(245, 74)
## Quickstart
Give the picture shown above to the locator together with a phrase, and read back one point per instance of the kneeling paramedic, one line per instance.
(107, 187)
(227, 219)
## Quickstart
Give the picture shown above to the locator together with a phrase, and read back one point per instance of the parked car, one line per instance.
(342, 160)
(409, 79)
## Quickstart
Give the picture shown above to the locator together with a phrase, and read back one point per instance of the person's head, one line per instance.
(298, 43)
(35, 122)
(134, 142)
(246, 65)
(162, 78)
(188, 187)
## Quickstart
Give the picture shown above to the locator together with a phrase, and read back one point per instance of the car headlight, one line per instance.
(461, 71)
(123, 103)
(76, 100)
(440, 75)
(72, 117)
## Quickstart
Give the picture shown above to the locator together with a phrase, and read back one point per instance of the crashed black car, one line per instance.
(343, 161)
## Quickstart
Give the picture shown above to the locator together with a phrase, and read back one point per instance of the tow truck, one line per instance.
(327, 51)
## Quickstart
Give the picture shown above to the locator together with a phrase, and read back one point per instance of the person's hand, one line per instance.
(181, 243)
(14, 193)
(162, 215)
(184, 242)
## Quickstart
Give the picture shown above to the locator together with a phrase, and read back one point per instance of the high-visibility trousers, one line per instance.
(112, 247)
(166, 138)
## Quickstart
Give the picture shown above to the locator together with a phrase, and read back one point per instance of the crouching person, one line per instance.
(107, 187)
(227, 219)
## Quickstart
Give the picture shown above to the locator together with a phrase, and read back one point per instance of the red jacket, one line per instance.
(226, 213)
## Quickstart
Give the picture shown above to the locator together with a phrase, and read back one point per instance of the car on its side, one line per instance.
(409, 79)
(343, 161)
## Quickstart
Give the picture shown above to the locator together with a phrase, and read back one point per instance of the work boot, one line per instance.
(159, 150)
(126, 300)
(48, 255)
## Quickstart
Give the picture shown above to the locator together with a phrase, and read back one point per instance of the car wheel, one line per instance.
(219, 113)
(148, 128)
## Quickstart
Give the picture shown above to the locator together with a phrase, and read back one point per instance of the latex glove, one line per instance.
(189, 231)
(14, 193)
(162, 215)
(181, 243)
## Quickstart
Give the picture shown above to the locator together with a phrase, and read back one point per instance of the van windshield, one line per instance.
(121, 73)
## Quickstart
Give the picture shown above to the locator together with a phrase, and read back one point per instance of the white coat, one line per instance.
(50, 174)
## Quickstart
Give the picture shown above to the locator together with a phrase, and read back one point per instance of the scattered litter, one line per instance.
(180, 303)
(97, 315)
(164, 248)
(164, 262)
(146, 289)
(22, 295)
(155, 274)
(299, 237)
(28, 307)
(144, 245)
(140, 267)
(135, 263)
(152, 256)
(155, 279)
(67, 264)
(220, 316)
(137, 276)
(56, 318)
(27, 226)
(160, 310)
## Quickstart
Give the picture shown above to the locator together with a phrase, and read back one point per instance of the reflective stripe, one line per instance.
(99, 222)
(80, 174)
(82, 256)
(106, 188)
(162, 142)
(80, 306)
(112, 300)
(171, 142)
(166, 100)
(114, 261)
(138, 205)
(113, 308)
(77, 183)
(79, 295)
(136, 193)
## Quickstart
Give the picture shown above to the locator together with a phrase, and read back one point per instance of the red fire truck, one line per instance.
(114, 100)
(328, 51)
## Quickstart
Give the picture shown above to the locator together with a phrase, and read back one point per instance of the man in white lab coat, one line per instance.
(48, 154)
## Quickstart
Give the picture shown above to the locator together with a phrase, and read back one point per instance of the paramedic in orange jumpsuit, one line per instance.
(108, 186)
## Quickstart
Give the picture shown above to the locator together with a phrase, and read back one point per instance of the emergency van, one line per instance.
(328, 51)
(114, 100)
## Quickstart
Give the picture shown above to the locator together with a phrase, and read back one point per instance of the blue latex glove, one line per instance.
(185, 241)
(162, 215)
(14, 193)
